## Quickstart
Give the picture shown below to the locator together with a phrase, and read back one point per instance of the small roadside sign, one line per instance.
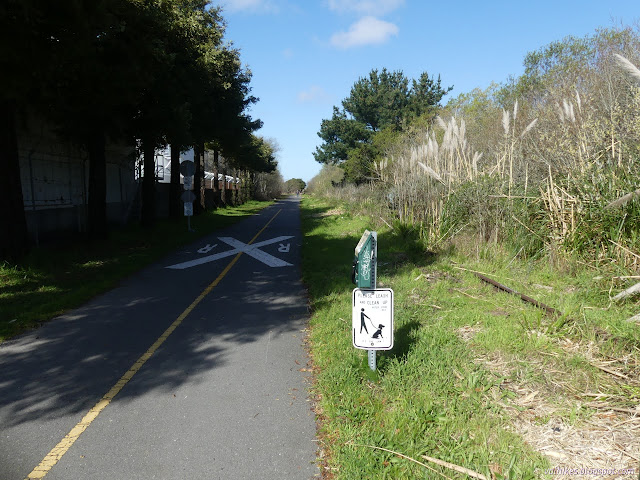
(188, 182)
(366, 260)
(187, 168)
(188, 209)
(372, 318)
(188, 196)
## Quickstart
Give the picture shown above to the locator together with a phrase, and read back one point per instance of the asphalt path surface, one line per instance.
(222, 395)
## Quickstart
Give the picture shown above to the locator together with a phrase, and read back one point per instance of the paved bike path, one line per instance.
(224, 396)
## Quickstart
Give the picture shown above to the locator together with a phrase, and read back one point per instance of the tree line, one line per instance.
(155, 72)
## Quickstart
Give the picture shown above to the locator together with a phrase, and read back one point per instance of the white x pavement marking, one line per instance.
(251, 250)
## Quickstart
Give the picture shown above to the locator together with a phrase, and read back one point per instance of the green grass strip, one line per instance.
(428, 397)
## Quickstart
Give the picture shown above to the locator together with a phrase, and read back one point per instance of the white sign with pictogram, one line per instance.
(372, 318)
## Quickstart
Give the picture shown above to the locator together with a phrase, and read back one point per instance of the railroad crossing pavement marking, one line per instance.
(56, 453)
(251, 250)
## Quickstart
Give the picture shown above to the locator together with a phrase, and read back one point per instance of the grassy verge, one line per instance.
(477, 378)
(54, 279)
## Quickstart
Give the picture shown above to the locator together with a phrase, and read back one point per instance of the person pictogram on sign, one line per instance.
(362, 322)
(378, 333)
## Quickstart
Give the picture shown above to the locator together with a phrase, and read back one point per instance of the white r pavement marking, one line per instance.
(207, 248)
(251, 250)
(284, 248)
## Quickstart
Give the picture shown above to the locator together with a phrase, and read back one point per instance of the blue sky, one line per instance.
(305, 55)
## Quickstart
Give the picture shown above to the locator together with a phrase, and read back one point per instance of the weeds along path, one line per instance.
(477, 378)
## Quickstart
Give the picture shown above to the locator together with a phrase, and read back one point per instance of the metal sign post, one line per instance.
(187, 169)
(364, 276)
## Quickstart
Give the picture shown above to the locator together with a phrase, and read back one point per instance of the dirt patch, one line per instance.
(329, 213)
(467, 332)
(607, 441)
(561, 423)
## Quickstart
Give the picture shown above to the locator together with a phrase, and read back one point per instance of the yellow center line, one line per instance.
(65, 444)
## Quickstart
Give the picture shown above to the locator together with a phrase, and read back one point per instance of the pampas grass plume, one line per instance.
(529, 127)
(431, 172)
(505, 121)
(629, 67)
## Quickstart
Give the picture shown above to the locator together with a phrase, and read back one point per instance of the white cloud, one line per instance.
(314, 94)
(288, 53)
(366, 31)
(365, 7)
(248, 6)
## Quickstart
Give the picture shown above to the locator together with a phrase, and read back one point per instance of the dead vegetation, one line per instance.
(572, 428)
(329, 213)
